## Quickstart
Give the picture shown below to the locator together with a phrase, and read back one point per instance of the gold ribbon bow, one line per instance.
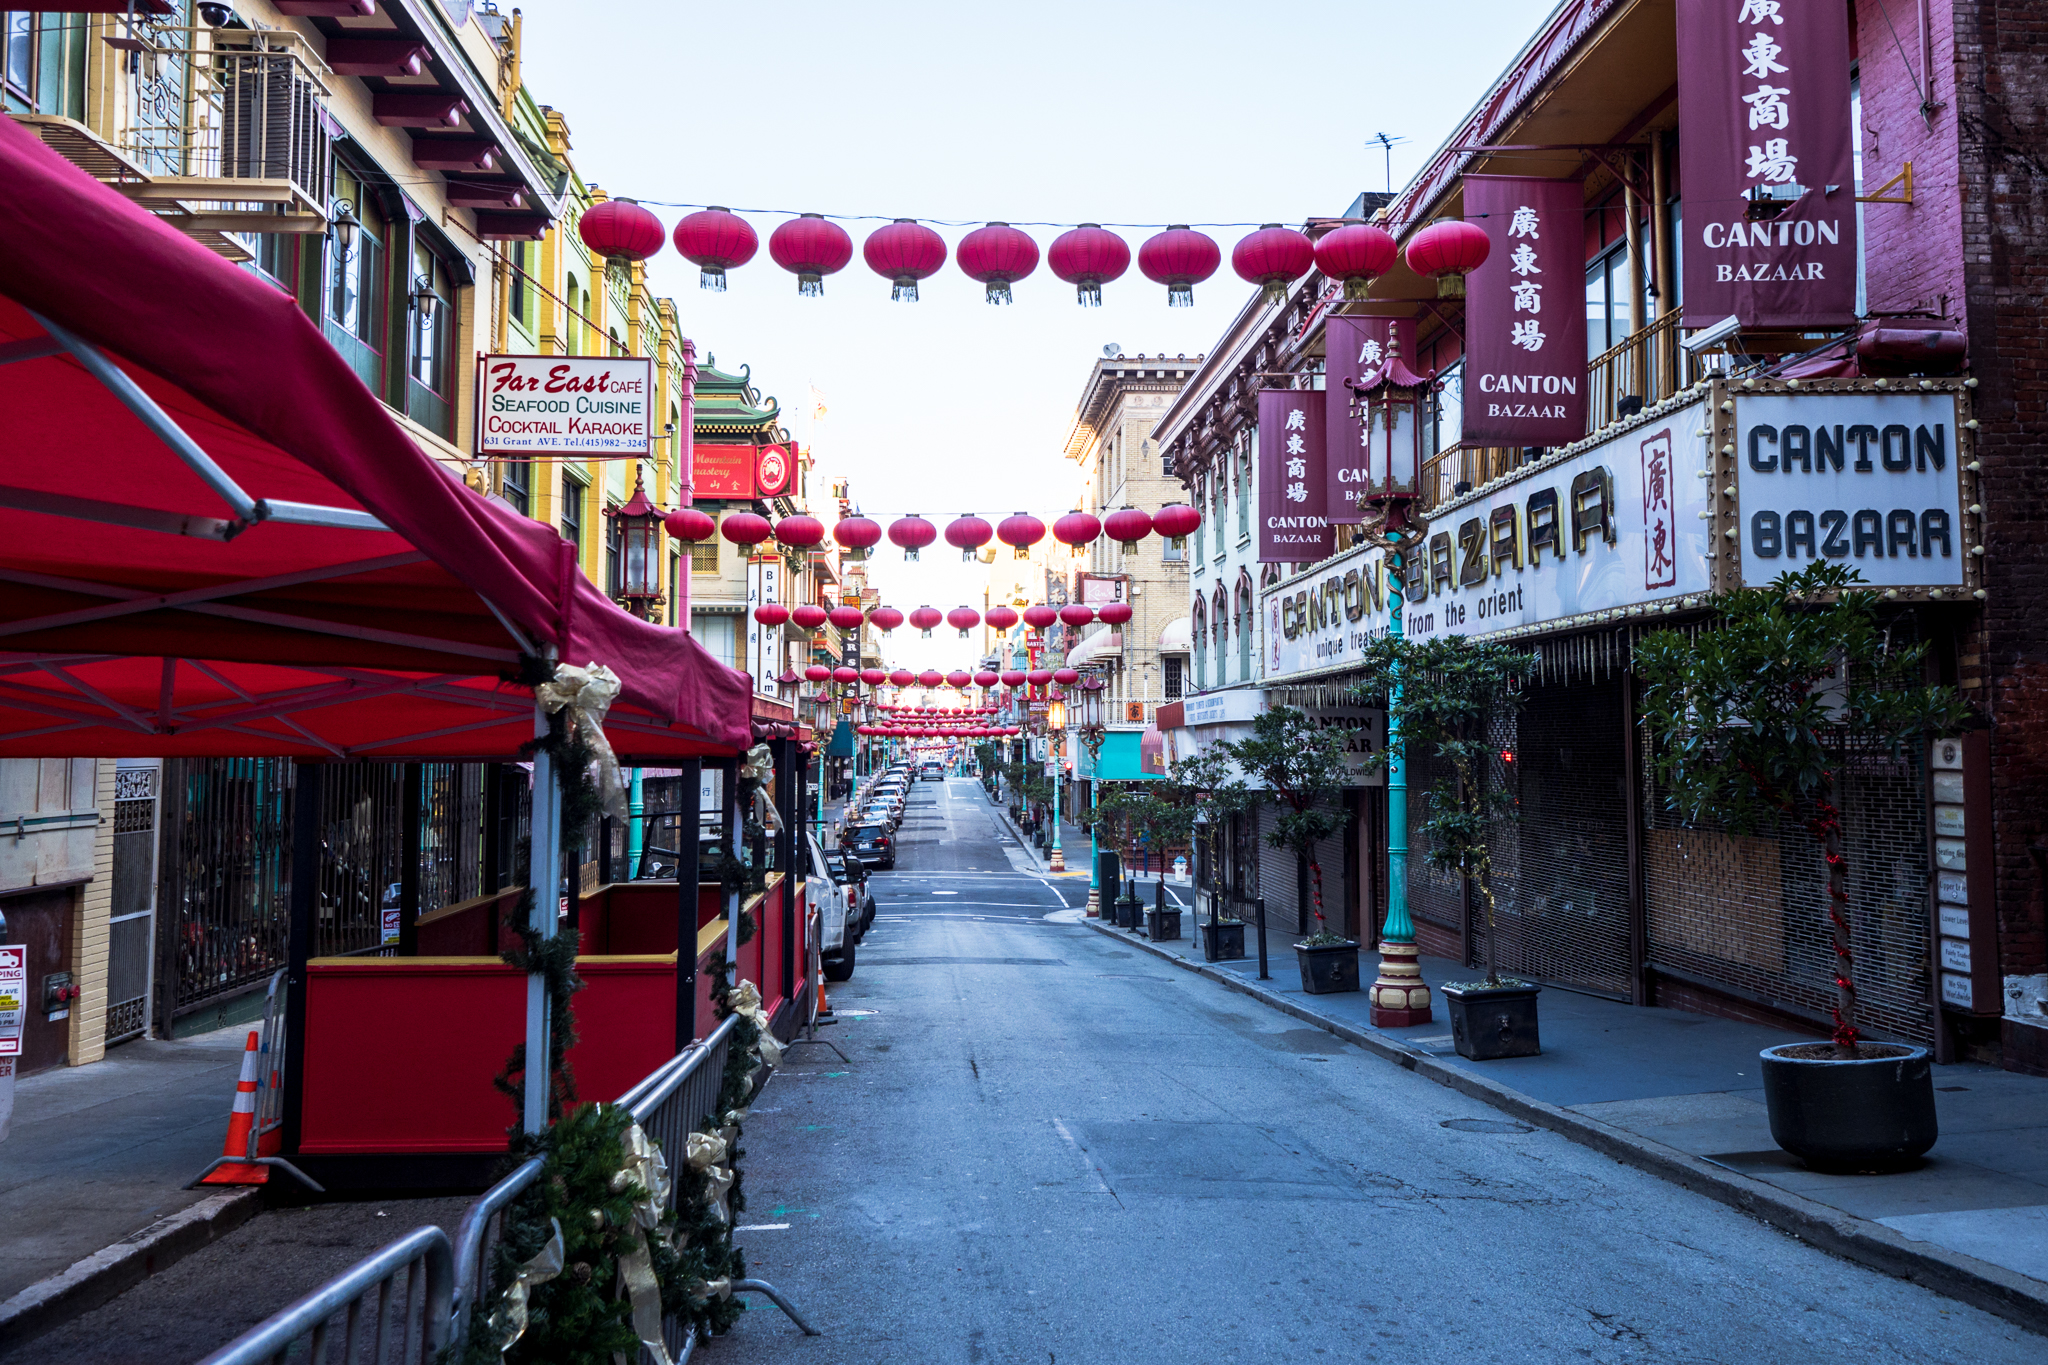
(707, 1290)
(759, 766)
(644, 1166)
(508, 1320)
(704, 1150)
(588, 693)
(746, 999)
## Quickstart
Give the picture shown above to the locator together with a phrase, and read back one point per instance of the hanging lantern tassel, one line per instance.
(810, 286)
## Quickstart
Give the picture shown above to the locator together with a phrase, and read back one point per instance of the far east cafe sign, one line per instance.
(586, 407)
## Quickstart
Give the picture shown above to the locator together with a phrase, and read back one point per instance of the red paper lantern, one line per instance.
(1179, 258)
(800, 531)
(987, 677)
(998, 255)
(1113, 613)
(1077, 614)
(931, 677)
(620, 230)
(1088, 257)
(1356, 254)
(715, 240)
(1177, 520)
(771, 613)
(1450, 247)
(857, 534)
(1066, 677)
(967, 534)
(958, 678)
(1127, 526)
(1000, 617)
(1038, 677)
(811, 247)
(1076, 529)
(688, 523)
(845, 674)
(885, 619)
(745, 528)
(1273, 258)
(846, 618)
(1040, 616)
(924, 618)
(818, 673)
(874, 677)
(911, 534)
(1013, 678)
(902, 677)
(809, 616)
(963, 619)
(905, 251)
(1020, 531)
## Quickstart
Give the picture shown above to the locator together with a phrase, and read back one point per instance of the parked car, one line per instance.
(831, 899)
(872, 842)
(851, 875)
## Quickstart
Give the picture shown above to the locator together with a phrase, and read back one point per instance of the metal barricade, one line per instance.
(390, 1308)
(269, 1117)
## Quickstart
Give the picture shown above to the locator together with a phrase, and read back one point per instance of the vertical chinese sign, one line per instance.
(1768, 171)
(764, 643)
(1525, 313)
(1660, 522)
(1353, 348)
(1292, 527)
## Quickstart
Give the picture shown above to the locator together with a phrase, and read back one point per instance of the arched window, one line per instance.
(1244, 624)
(572, 326)
(1201, 641)
(1219, 614)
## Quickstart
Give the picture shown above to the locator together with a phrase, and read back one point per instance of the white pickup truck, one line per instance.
(841, 922)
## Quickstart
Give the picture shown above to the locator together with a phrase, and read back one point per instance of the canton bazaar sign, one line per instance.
(586, 407)
(1875, 480)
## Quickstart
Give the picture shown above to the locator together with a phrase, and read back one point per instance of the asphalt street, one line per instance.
(1028, 1143)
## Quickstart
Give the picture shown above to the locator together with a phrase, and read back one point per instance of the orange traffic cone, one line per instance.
(824, 1005)
(241, 1122)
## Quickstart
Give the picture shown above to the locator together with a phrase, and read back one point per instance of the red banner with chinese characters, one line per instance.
(722, 471)
(1353, 348)
(1525, 313)
(1292, 527)
(1768, 170)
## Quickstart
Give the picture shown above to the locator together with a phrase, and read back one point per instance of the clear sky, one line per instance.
(1051, 113)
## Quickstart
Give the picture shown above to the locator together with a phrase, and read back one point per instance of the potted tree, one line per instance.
(1302, 767)
(1752, 722)
(1214, 791)
(1449, 691)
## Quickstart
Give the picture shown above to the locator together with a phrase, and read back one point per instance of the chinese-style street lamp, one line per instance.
(637, 522)
(1389, 406)
(1091, 731)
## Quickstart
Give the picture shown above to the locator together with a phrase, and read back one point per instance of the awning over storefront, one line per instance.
(214, 540)
(1178, 636)
(1094, 647)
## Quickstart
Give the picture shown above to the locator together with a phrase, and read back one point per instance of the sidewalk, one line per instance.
(1679, 1094)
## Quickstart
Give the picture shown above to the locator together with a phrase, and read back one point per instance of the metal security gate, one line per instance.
(225, 879)
(1747, 913)
(132, 915)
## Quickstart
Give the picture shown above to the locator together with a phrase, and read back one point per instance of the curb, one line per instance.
(2004, 1293)
(108, 1272)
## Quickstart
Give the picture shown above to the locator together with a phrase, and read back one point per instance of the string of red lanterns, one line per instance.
(911, 533)
(810, 616)
(998, 255)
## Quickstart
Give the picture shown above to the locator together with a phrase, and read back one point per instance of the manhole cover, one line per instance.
(1486, 1126)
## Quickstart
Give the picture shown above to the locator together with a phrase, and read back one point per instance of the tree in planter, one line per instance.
(1751, 720)
(1451, 689)
(1212, 786)
(1302, 766)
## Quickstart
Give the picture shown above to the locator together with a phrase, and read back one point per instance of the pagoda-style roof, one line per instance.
(730, 409)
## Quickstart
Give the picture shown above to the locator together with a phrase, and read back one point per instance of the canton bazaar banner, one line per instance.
(586, 407)
(1292, 526)
(1525, 313)
(1353, 347)
(1763, 96)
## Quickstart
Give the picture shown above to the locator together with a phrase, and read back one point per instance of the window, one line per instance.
(276, 256)
(355, 285)
(1173, 550)
(522, 296)
(1244, 484)
(572, 513)
(1175, 679)
(1607, 300)
(432, 300)
(675, 595)
(1219, 623)
(704, 557)
(614, 557)
(1447, 408)
(516, 483)
(572, 325)
(1201, 642)
(18, 67)
(1244, 625)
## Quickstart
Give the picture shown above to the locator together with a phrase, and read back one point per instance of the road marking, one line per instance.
(1093, 1173)
(761, 1227)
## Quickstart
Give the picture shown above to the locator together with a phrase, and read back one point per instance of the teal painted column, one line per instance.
(1399, 996)
(636, 807)
(1094, 839)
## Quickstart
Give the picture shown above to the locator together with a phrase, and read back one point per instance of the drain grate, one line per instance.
(1486, 1126)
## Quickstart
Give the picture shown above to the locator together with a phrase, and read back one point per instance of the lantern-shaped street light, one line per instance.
(1389, 404)
(638, 524)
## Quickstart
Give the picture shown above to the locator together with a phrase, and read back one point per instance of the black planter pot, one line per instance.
(1223, 942)
(1329, 969)
(1491, 1022)
(1130, 913)
(1870, 1114)
(1161, 925)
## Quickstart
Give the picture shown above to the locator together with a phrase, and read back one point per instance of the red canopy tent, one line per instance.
(215, 541)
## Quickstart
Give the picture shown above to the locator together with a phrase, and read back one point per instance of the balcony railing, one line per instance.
(1648, 365)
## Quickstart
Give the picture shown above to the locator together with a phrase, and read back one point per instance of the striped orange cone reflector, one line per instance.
(241, 1123)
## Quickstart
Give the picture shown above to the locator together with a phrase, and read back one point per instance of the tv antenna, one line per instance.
(1386, 142)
